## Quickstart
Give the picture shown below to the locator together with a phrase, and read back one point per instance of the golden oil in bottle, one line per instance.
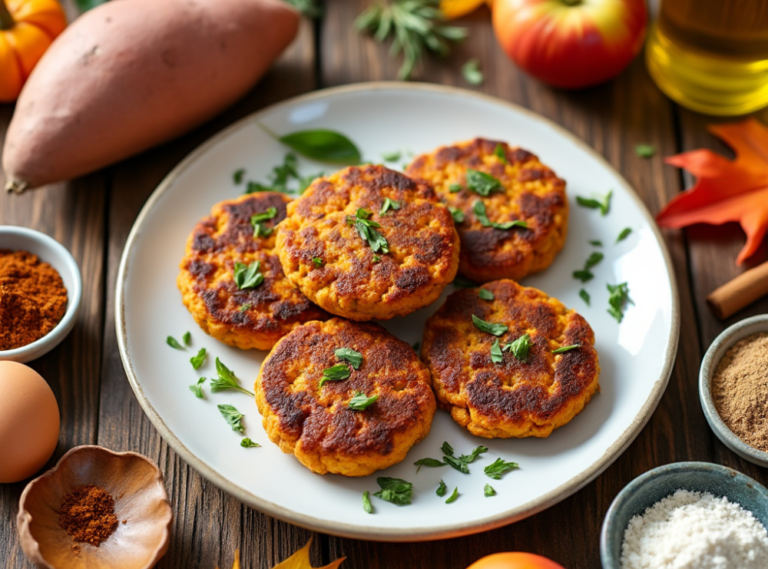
(711, 55)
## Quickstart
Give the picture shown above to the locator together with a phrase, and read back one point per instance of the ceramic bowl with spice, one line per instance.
(733, 388)
(687, 515)
(40, 293)
(96, 509)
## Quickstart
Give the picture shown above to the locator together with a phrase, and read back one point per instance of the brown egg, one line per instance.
(29, 422)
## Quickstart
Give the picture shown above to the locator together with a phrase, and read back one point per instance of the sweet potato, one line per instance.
(131, 74)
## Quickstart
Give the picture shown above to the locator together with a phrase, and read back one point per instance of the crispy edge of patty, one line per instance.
(206, 279)
(350, 282)
(531, 193)
(315, 423)
(512, 399)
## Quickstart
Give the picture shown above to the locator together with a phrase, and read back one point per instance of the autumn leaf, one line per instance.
(726, 190)
(300, 560)
(457, 8)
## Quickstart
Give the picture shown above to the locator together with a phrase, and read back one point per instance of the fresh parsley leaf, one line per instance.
(431, 462)
(360, 401)
(485, 294)
(520, 348)
(254, 187)
(583, 275)
(497, 356)
(199, 359)
(596, 243)
(376, 259)
(322, 145)
(447, 449)
(454, 188)
(482, 217)
(172, 342)
(389, 204)
(248, 276)
(470, 458)
(187, 338)
(472, 73)
(226, 380)
(442, 489)
(367, 506)
(645, 150)
(619, 297)
(354, 358)
(248, 443)
(624, 234)
(453, 496)
(489, 491)
(244, 307)
(391, 156)
(366, 228)
(500, 153)
(317, 261)
(456, 463)
(258, 219)
(499, 468)
(593, 259)
(395, 490)
(584, 296)
(563, 349)
(481, 183)
(338, 372)
(237, 177)
(603, 203)
(416, 347)
(197, 388)
(233, 417)
(489, 327)
(457, 214)
(463, 282)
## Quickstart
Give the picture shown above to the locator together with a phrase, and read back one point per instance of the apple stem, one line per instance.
(6, 20)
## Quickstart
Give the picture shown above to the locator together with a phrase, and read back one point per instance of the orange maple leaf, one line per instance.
(299, 560)
(453, 9)
(726, 190)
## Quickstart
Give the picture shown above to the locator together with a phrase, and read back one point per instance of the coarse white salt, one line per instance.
(695, 530)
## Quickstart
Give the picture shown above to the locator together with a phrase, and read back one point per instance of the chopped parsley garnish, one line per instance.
(174, 343)
(391, 156)
(367, 506)
(394, 490)
(584, 296)
(470, 458)
(454, 188)
(563, 349)
(481, 183)
(389, 204)
(360, 401)
(248, 443)
(199, 359)
(187, 338)
(520, 348)
(603, 203)
(500, 153)
(454, 462)
(233, 417)
(442, 489)
(197, 388)
(354, 358)
(596, 243)
(497, 356)
(366, 228)
(248, 276)
(489, 491)
(431, 462)
(489, 327)
(645, 150)
(593, 259)
(499, 468)
(617, 300)
(482, 217)
(258, 219)
(453, 496)
(237, 176)
(376, 259)
(447, 449)
(461, 463)
(485, 294)
(457, 214)
(226, 380)
(585, 275)
(624, 234)
(317, 261)
(244, 307)
(336, 373)
(472, 73)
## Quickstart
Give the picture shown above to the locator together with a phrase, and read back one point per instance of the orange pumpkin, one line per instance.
(27, 28)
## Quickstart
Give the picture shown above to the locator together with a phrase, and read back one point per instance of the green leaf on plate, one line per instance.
(323, 145)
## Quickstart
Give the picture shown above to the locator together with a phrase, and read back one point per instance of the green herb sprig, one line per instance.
(233, 417)
(257, 221)
(248, 276)
(585, 274)
(360, 401)
(498, 468)
(563, 349)
(395, 490)
(603, 203)
(389, 204)
(482, 217)
(226, 380)
(453, 497)
(338, 372)
(624, 234)
(430, 462)
(488, 491)
(489, 327)
(355, 359)
(367, 229)
(442, 489)
(248, 443)
(481, 183)
(197, 388)
(367, 506)
(199, 359)
(618, 299)
(520, 348)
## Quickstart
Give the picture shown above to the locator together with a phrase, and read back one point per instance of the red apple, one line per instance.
(570, 43)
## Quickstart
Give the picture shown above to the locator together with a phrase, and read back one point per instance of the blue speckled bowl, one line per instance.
(647, 489)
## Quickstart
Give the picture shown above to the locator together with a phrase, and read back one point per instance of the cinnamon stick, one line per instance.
(740, 292)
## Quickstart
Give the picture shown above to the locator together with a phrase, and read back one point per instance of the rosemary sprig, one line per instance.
(415, 26)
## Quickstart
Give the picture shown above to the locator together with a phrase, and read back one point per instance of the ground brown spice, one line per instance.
(740, 390)
(33, 299)
(87, 513)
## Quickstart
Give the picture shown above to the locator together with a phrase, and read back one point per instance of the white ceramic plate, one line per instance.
(636, 356)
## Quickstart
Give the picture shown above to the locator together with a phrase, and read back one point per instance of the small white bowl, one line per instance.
(709, 364)
(52, 252)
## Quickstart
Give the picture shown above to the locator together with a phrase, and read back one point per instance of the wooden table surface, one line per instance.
(92, 216)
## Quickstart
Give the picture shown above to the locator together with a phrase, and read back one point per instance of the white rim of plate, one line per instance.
(370, 532)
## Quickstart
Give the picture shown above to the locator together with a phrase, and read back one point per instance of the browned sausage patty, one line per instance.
(324, 254)
(254, 317)
(512, 398)
(316, 424)
(527, 191)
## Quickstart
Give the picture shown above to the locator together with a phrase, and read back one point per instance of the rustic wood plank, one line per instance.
(612, 118)
(209, 525)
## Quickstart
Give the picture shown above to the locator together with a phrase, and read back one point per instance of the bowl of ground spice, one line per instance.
(733, 388)
(96, 509)
(40, 292)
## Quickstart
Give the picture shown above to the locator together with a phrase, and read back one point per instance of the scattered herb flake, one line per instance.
(187, 338)
(317, 261)
(470, 458)
(596, 243)
(447, 449)
(497, 356)
(481, 183)
(485, 294)
(367, 506)
(389, 204)
(454, 462)
(472, 73)
(499, 468)
(233, 417)
(431, 462)
(618, 299)
(248, 276)
(645, 150)
(457, 214)
(391, 156)
(500, 153)
(354, 358)
(624, 234)
(395, 490)
(489, 491)
(197, 388)
(226, 380)
(442, 489)
(172, 342)
(258, 219)
(520, 348)
(338, 372)
(453, 496)
(244, 307)
(237, 177)
(584, 296)
(199, 359)
(489, 327)
(376, 259)
(593, 259)
(563, 349)
(603, 203)
(454, 188)
(482, 217)
(360, 401)
(366, 228)
(248, 443)
(583, 275)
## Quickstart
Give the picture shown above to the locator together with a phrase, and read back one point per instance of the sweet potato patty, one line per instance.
(324, 253)
(512, 398)
(253, 317)
(315, 422)
(527, 191)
